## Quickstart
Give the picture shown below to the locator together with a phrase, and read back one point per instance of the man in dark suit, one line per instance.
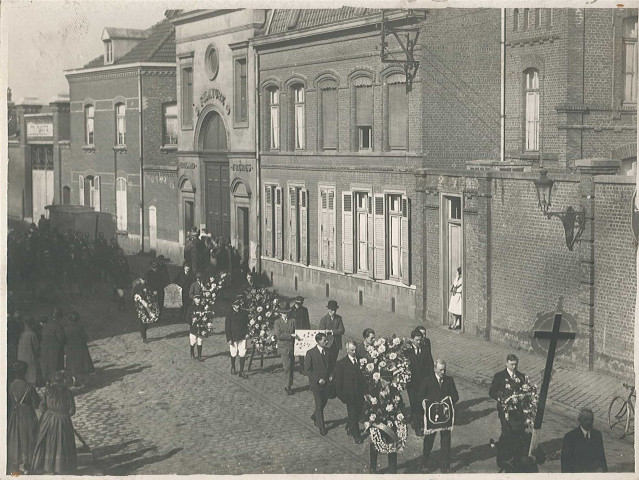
(318, 364)
(438, 387)
(582, 449)
(185, 279)
(505, 383)
(300, 314)
(332, 321)
(421, 367)
(369, 340)
(196, 287)
(426, 342)
(236, 328)
(52, 346)
(350, 387)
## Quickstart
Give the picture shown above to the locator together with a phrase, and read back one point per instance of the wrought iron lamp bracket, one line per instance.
(574, 222)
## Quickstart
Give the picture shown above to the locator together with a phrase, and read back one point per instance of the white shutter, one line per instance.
(96, 194)
(347, 231)
(303, 206)
(332, 237)
(279, 251)
(380, 238)
(275, 127)
(299, 126)
(81, 189)
(121, 203)
(292, 225)
(405, 254)
(324, 228)
(369, 238)
(268, 220)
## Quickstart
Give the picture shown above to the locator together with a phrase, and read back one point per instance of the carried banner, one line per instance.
(173, 296)
(438, 416)
(305, 340)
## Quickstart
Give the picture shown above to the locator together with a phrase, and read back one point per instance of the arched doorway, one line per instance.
(187, 207)
(241, 197)
(213, 145)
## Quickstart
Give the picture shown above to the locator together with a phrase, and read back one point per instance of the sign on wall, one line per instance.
(305, 340)
(39, 129)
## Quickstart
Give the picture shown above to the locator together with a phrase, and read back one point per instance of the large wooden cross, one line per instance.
(554, 337)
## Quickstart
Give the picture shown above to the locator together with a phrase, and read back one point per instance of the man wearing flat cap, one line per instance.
(333, 322)
(285, 334)
(300, 314)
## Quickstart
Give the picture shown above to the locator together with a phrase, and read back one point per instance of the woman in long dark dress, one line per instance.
(55, 446)
(29, 353)
(22, 426)
(79, 363)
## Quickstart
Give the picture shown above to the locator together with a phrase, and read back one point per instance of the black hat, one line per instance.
(332, 305)
(299, 299)
(285, 306)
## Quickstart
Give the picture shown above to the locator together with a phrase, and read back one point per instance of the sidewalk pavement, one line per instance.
(469, 357)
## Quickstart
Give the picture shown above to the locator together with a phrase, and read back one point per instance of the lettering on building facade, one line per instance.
(212, 94)
(39, 129)
(186, 165)
(242, 167)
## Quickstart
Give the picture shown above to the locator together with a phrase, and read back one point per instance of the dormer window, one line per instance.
(108, 54)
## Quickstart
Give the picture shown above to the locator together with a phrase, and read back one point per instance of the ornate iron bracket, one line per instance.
(406, 37)
(572, 220)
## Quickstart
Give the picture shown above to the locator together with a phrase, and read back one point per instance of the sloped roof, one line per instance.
(111, 32)
(158, 45)
(287, 20)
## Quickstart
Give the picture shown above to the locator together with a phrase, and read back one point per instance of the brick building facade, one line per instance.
(124, 128)
(217, 171)
(38, 138)
(341, 136)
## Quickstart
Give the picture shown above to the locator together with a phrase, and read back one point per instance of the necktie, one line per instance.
(441, 381)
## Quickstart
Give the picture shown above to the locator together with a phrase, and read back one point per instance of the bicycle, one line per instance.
(621, 413)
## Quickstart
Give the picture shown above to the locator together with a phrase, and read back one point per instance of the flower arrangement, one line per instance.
(522, 397)
(386, 372)
(263, 308)
(203, 316)
(147, 306)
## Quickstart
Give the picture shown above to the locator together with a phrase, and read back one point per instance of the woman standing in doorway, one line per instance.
(455, 305)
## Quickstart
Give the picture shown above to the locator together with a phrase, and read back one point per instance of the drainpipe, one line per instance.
(140, 139)
(502, 148)
(258, 169)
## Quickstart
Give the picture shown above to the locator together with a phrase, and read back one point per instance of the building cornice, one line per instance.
(366, 21)
(113, 68)
(195, 15)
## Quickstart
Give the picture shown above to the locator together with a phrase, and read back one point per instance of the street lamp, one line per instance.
(571, 219)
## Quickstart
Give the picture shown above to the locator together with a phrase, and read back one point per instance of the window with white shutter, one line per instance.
(380, 237)
(630, 59)
(326, 212)
(362, 214)
(394, 236)
(405, 241)
(121, 204)
(95, 194)
(532, 110)
(81, 189)
(269, 221)
(274, 120)
(347, 232)
(303, 226)
(299, 124)
(279, 224)
(293, 233)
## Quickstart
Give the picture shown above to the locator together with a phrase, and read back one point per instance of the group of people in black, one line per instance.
(205, 253)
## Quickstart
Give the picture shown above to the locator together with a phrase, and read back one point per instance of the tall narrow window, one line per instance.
(327, 227)
(187, 97)
(537, 18)
(362, 210)
(532, 110)
(630, 59)
(299, 124)
(394, 235)
(525, 24)
(364, 117)
(89, 113)
(108, 58)
(516, 19)
(241, 89)
(170, 124)
(397, 116)
(329, 117)
(120, 112)
(121, 204)
(274, 118)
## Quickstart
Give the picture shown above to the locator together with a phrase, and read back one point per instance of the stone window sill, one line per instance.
(168, 148)
(89, 148)
(119, 148)
(124, 233)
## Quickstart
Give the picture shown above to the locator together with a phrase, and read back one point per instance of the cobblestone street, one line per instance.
(150, 409)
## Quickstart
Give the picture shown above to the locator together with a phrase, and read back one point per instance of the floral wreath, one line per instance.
(147, 306)
(523, 398)
(386, 371)
(204, 314)
(263, 307)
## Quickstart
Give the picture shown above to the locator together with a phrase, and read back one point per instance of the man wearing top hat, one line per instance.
(300, 314)
(333, 322)
(285, 334)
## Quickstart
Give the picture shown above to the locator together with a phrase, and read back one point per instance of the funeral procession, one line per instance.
(338, 240)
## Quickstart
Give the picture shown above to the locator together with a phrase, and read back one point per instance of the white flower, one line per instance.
(367, 425)
(268, 314)
(396, 341)
(372, 417)
(389, 407)
(381, 349)
(376, 376)
(370, 367)
(373, 353)
(373, 401)
(382, 341)
(400, 416)
(259, 309)
(397, 398)
(382, 364)
(362, 361)
(259, 317)
(252, 322)
(392, 356)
